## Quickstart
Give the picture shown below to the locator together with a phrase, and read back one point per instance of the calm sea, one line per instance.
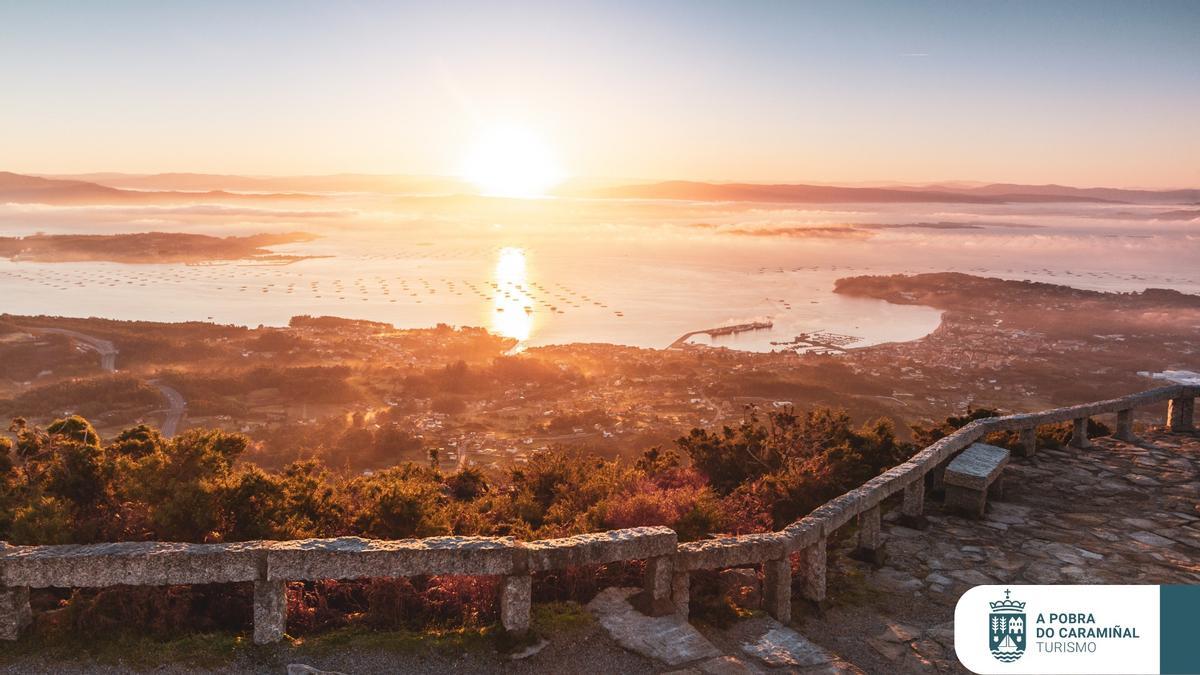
(639, 274)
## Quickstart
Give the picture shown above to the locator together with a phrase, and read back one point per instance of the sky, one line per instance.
(1082, 93)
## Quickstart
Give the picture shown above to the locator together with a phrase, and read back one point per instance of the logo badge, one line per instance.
(1006, 629)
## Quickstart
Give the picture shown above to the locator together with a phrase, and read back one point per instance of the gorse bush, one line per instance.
(789, 463)
(1048, 435)
(64, 484)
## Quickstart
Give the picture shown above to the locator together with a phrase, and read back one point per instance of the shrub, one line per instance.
(65, 485)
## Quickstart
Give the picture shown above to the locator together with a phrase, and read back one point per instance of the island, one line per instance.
(149, 247)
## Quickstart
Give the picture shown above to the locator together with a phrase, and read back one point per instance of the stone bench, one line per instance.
(971, 475)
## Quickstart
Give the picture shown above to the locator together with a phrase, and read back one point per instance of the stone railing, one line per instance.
(270, 565)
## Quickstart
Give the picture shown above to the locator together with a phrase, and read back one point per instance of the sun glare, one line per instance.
(512, 161)
(512, 312)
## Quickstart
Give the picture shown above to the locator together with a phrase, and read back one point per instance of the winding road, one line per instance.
(106, 349)
(176, 403)
(176, 406)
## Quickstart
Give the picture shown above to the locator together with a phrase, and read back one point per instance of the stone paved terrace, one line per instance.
(1113, 514)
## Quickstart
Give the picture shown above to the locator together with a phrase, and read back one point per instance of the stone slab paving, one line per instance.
(782, 646)
(759, 644)
(1112, 514)
(669, 639)
(718, 665)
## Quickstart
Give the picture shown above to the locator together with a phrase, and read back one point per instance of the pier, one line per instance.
(681, 342)
(820, 342)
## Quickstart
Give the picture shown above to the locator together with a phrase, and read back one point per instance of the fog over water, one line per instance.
(626, 272)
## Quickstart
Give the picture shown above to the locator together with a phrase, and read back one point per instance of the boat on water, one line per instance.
(1008, 650)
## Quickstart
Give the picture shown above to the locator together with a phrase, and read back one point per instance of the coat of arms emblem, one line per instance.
(1006, 634)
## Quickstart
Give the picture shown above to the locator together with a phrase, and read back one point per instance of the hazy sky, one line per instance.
(1083, 93)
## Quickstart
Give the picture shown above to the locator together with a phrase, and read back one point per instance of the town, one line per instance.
(364, 395)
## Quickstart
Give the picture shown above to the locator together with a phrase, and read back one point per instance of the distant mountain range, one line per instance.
(342, 182)
(120, 188)
(1025, 192)
(998, 193)
(18, 188)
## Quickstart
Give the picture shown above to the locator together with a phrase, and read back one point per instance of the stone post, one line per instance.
(1125, 427)
(1079, 437)
(937, 477)
(870, 537)
(1181, 414)
(681, 591)
(812, 572)
(870, 531)
(270, 610)
(1029, 442)
(15, 613)
(516, 595)
(655, 599)
(657, 579)
(777, 588)
(912, 513)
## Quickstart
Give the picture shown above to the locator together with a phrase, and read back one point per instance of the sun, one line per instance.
(512, 161)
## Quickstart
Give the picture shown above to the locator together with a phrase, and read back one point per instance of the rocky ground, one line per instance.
(1116, 513)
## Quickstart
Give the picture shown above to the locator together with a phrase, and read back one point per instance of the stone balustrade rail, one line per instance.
(269, 565)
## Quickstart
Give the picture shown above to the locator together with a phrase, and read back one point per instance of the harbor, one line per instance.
(682, 341)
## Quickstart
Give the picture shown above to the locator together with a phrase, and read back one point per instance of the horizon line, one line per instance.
(872, 183)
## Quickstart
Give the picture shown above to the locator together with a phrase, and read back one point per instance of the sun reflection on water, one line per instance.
(512, 311)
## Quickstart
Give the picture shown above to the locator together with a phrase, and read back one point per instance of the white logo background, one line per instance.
(1125, 606)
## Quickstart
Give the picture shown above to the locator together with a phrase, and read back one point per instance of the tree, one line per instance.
(136, 442)
(6, 462)
(182, 483)
(43, 520)
(448, 405)
(794, 463)
(657, 461)
(253, 507)
(400, 503)
(737, 455)
(8, 486)
(77, 473)
(31, 441)
(467, 485)
(75, 428)
(927, 434)
(313, 507)
(391, 443)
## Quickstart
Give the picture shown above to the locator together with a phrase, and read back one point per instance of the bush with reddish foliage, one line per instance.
(65, 485)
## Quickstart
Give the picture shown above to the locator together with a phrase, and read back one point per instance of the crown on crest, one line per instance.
(1007, 605)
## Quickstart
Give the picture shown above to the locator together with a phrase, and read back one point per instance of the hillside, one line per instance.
(344, 182)
(825, 194)
(113, 188)
(1018, 192)
(22, 189)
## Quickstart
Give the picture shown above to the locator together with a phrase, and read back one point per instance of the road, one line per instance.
(176, 404)
(106, 349)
